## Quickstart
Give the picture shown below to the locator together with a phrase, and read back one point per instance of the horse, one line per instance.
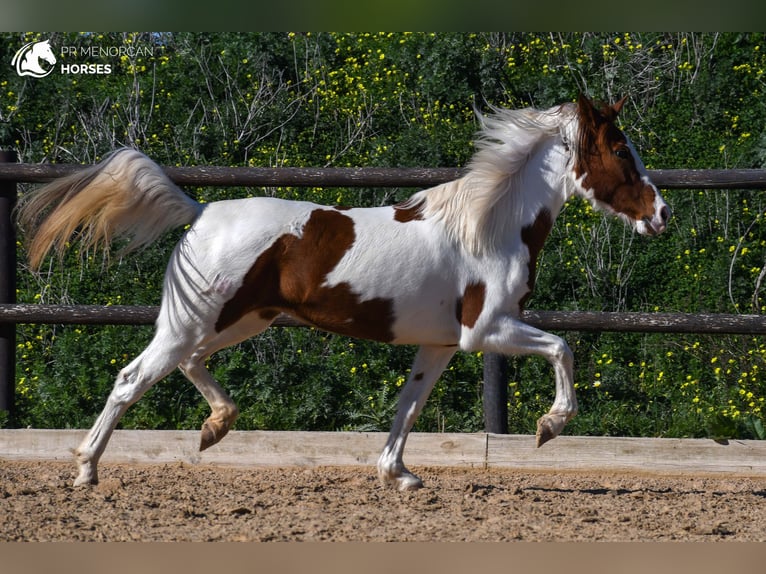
(27, 59)
(448, 269)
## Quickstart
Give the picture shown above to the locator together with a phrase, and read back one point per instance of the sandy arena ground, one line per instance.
(181, 502)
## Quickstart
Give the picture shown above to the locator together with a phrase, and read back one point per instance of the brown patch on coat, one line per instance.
(406, 211)
(471, 304)
(534, 236)
(288, 277)
(606, 161)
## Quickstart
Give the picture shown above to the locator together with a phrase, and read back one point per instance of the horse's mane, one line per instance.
(474, 209)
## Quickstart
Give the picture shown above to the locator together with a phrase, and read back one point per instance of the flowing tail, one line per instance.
(126, 195)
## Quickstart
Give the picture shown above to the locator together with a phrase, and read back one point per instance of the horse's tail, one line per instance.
(126, 195)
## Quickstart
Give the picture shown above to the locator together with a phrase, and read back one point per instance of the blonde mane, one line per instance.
(474, 209)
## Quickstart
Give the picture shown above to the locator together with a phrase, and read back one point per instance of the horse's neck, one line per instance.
(544, 182)
(486, 208)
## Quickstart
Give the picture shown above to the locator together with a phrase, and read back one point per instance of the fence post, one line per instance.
(495, 393)
(7, 291)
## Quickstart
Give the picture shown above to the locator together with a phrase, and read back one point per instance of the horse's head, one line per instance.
(43, 51)
(610, 174)
(27, 59)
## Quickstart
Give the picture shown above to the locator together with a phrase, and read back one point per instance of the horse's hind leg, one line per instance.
(224, 411)
(161, 356)
(429, 364)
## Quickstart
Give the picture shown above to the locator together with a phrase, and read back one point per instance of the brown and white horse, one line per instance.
(449, 269)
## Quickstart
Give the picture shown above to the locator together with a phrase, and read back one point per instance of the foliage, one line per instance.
(408, 99)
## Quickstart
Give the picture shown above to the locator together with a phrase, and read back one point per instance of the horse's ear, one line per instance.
(616, 107)
(586, 110)
(583, 102)
(594, 115)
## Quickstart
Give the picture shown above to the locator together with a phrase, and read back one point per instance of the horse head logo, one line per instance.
(29, 57)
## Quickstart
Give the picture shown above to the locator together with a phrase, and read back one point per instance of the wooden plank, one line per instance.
(720, 323)
(312, 177)
(248, 448)
(709, 178)
(443, 449)
(219, 176)
(372, 176)
(656, 455)
(26, 313)
(294, 448)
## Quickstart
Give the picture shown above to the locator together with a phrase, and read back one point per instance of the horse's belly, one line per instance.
(342, 312)
(422, 329)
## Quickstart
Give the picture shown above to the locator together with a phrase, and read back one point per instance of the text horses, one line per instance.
(449, 269)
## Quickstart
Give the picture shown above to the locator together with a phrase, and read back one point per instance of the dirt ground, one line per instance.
(180, 502)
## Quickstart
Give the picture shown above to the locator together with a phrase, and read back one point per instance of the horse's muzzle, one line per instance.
(658, 223)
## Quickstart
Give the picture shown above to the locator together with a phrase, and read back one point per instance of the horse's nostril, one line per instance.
(665, 213)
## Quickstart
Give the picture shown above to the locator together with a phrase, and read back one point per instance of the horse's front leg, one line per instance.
(428, 365)
(510, 336)
(564, 406)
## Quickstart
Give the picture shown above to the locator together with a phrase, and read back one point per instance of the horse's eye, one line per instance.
(622, 153)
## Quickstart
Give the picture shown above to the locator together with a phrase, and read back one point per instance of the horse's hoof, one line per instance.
(87, 471)
(85, 479)
(409, 483)
(82, 482)
(545, 431)
(211, 434)
(406, 481)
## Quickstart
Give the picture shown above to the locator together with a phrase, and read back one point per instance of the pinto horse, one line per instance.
(449, 269)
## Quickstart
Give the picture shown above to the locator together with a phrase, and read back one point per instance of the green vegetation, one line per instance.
(400, 99)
